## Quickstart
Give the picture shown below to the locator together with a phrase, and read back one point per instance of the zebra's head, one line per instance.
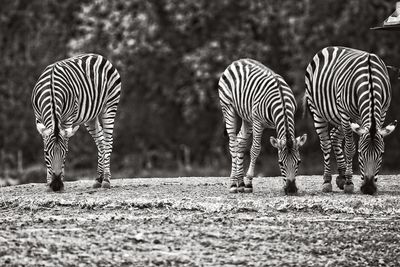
(289, 159)
(370, 151)
(55, 151)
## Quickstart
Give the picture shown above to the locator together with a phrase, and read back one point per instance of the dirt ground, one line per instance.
(196, 222)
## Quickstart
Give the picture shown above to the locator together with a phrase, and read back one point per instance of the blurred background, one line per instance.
(170, 54)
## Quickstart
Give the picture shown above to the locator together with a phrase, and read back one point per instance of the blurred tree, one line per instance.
(170, 54)
(33, 34)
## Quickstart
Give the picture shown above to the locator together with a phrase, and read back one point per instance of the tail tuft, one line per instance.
(304, 107)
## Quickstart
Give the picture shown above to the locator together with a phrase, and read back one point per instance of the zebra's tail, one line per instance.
(304, 106)
(372, 129)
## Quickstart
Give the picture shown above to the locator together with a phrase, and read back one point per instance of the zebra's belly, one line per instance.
(85, 117)
(243, 112)
(335, 117)
(90, 109)
(325, 104)
(249, 116)
(330, 115)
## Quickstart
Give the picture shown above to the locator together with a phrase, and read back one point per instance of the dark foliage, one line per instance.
(170, 54)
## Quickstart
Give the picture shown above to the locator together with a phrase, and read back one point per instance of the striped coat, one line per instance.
(80, 90)
(258, 97)
(349, 91)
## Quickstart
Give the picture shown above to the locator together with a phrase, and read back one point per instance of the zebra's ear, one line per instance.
(388, 129)
(70, 131)
(43, 130)
(276, 142)
(301, 140)
(358, 129)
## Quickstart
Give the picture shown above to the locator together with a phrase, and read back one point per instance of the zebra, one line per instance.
(348, 90)
(84, 89)
(260, 98)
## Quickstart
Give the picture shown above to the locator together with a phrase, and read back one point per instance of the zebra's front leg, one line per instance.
(96, 131)
(337, 141)
(254, 152)
(107, 119)
(322, 130)
(349, 149)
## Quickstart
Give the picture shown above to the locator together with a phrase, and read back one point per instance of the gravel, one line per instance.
(194, 221)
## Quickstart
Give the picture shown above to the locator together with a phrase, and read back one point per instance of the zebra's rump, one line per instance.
(255, 92)
(75, 90)
(342, 81)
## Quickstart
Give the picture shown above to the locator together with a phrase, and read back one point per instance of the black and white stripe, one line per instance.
(261, 99)
(80, 90)
(349, 90)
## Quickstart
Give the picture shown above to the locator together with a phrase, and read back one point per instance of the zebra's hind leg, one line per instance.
(107, 119)
(254, 152)
(337, 141)
(321, 127)
(96, 131)
(230, 119)
(242, 142)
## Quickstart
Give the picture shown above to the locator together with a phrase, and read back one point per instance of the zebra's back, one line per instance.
(255, 92)
(337, 80)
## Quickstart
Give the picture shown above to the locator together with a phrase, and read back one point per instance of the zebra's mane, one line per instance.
(53, 104)
(289, 141)
(372, 128)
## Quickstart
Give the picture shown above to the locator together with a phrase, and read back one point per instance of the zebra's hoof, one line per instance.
(340, 181)
(248, 188)
(240, 188)
(96, 184)
(106, 184)
(349, 188)
(233, 190)
(327, 187)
